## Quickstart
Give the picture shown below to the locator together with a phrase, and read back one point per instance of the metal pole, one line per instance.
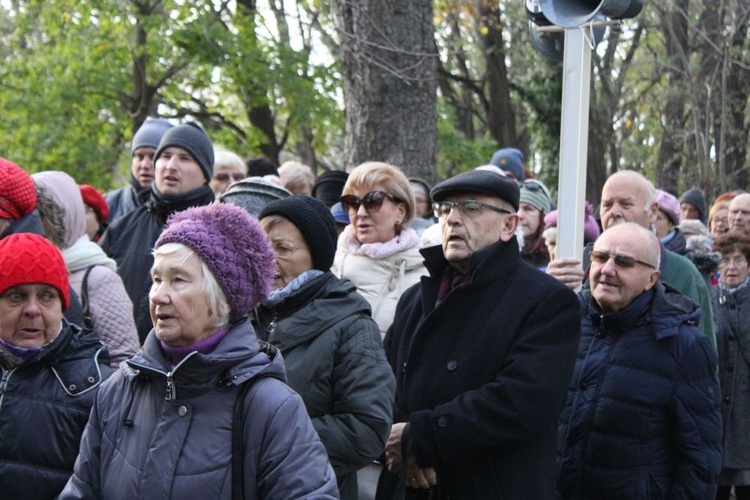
(573, 143)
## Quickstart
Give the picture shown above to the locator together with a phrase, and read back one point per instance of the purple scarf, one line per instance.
(206, 346)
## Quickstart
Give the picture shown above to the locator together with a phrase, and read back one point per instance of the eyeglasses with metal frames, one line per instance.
(622, 261)
(285, 249)
(470, 208)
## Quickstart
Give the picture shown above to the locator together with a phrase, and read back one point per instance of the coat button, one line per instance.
(583, 386)
(727, 400)
(452, 365)
(72, 387)
(443, 422)
(182, 411)
(91, 380)
(711, 392)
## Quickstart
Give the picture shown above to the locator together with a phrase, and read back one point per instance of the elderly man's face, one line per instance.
(179, 309)
(614, 286)
(177, 172)
(463, 234)
(30, 315)
(739, 214)
(624, 200)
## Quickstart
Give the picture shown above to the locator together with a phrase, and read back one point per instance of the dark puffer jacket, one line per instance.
(335, 360)
(642, 416)
(142, 442)
(130, 241)
(44, 406)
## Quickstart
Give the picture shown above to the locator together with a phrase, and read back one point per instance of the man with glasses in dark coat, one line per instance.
(642, 418)
(482, 351)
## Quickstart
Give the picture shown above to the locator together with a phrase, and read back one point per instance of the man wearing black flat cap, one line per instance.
(482, 350)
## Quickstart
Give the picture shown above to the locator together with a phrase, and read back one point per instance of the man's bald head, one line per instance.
(628, 196)
(739, 213)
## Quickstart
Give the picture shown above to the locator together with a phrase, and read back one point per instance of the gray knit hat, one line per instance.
(150, 133)
(536, 194)
(694, 197)
(314, 221)
(253, 193)
(193, 139)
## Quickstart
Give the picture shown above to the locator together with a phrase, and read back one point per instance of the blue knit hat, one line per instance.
(510, 160)
(192, 138)
(233, 246)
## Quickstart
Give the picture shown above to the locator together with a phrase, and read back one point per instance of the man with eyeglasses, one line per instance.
(739, 213)
(228, 169)
(628, 196)
(482, 351)
(642, 416)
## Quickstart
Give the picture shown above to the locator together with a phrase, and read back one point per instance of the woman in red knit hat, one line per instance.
(97, 211)
(50, 370)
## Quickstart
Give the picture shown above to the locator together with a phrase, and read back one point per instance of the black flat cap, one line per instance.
(479, 181)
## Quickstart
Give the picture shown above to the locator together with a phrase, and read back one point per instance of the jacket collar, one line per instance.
(237, 358)
(662, 308)
(486, 265)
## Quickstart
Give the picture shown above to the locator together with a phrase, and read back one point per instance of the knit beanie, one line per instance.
(329, 186)
(695, 197)
(509, 159)
(191, 138)
(253, 193)
(314, 221)
(590, 226)
(536, 194)
(150, 133)
(27, 258)
(95, 200)
(233, 246)
(669, 205)
(17, 191)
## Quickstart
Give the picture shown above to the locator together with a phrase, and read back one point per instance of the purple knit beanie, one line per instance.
(234, 248)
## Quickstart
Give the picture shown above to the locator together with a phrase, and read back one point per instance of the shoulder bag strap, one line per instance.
(87, 321)
(238, 486)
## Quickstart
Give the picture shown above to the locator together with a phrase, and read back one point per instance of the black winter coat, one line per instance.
(44, 406)
(334, 359)
(130, 241)
(642, 417)
(481, 377)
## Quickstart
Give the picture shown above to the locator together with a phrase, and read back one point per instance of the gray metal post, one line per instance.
(573, 144)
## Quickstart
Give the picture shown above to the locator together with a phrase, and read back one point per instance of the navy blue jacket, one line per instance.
(642, 417)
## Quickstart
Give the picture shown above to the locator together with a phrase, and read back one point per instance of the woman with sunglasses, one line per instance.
(731, 307)
(377, 251)
(535, 204)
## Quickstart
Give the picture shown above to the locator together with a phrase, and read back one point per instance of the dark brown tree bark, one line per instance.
(389, 64)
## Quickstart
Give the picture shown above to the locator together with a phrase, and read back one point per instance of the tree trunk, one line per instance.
(389, 64)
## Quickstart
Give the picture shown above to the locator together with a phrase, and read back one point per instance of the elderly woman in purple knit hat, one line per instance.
(200, 412)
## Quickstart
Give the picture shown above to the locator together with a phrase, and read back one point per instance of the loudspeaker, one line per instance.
(574, 13)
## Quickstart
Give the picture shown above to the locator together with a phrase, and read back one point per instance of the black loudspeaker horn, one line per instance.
(574, 13)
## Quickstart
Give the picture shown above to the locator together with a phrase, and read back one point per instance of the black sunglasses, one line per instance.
(623, 261)
(372, 201)
(531, 185)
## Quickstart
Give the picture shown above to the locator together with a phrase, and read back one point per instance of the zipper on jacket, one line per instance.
(171, 389)
(4, 384)
(272, 325)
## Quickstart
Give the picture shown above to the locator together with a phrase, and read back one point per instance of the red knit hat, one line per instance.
(95, 200)
(17, 192)
(27, 258)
